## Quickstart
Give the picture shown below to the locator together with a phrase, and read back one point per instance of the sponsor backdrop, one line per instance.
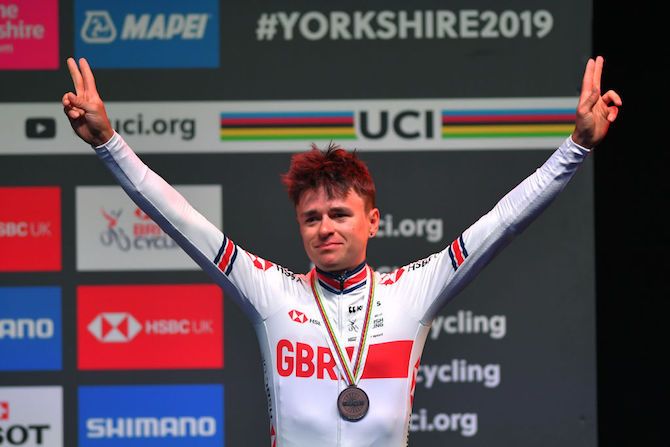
(109, 336)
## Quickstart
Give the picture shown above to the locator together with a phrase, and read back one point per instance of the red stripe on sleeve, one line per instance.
(226, 255)
(457, 252)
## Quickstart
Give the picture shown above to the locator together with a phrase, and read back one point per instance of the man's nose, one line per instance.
(326, 226)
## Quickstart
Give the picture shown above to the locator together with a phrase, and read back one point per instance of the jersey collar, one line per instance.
(344, 282)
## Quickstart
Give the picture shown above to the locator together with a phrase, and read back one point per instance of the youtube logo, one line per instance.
(40, 128)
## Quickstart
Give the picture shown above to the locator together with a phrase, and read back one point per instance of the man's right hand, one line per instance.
(85, 109)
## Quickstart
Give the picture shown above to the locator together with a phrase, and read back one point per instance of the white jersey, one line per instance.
(303, 379)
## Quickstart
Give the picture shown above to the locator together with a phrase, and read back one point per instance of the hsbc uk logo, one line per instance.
(114, 327)
(4, 411)
(150, 327)
(122, 327)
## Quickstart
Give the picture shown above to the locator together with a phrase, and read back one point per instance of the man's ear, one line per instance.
(373, 219)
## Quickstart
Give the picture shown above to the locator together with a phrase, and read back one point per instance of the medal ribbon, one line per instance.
(341, 354)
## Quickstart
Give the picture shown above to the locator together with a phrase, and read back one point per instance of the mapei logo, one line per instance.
(114, 327)
(297, 316)
(130, 34)
(99, 27)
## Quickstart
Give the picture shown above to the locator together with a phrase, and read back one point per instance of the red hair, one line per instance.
(334, 169)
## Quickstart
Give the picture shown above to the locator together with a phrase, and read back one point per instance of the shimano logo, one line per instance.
(99, 28)
(26, 328)
(151, 427)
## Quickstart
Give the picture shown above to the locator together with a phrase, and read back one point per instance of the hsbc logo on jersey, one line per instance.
(114, 327)
(297, 316)
(4, 411)
(259, 262)
(150, 327)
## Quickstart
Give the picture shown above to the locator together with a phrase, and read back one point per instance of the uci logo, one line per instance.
(405, 124)
(98, 27)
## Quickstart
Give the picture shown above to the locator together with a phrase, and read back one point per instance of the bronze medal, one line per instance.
(353, 403)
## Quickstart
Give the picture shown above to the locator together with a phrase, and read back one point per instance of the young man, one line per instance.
(327, 384)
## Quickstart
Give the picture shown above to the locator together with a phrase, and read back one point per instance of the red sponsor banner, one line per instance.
(30, 229)
(149, 327)
(29, 34)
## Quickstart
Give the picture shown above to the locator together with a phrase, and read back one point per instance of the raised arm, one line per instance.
(447, 272)
(229, 265)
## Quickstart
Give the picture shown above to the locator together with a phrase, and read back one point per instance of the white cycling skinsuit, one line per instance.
(303, 378)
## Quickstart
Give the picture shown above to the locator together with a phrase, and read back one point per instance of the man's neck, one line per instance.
(343, 281)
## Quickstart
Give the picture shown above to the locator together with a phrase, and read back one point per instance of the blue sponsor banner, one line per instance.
(30, 329)
(151, 416)
(147, 34)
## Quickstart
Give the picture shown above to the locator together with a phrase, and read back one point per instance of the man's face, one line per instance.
(335, 231)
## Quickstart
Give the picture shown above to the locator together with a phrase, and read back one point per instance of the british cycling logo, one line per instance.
(114, 327)
(98, 27)
(144, 233)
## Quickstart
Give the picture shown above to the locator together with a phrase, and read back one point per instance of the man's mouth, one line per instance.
(327, 245)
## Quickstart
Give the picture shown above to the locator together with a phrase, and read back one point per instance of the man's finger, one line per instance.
(78, 104)
(586, 106)
(76, 76)
(612, 97)
(598, 71)
(587, 81)
(613, 113)
(72, 113)
(89, 80)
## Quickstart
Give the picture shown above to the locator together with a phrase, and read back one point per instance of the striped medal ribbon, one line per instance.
(353, 403)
